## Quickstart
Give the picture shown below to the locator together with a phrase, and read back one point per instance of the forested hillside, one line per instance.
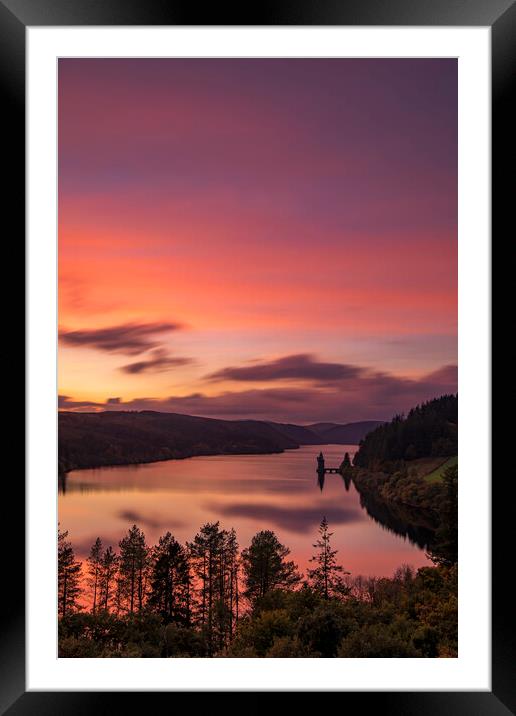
(428, 430)
(121, 438)
(411, 464)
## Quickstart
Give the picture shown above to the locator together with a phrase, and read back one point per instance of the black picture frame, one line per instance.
(500, 16)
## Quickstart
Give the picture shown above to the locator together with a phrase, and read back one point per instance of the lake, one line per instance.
(248, 492)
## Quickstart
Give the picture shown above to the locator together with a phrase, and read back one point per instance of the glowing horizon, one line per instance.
(274, 239)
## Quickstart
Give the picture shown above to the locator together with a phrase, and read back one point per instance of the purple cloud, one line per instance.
(128, 338)
(368, 396)
(300, 366)
(160, 362)
(64, 402)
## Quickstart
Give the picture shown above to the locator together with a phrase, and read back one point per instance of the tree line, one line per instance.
(209, 598)
(427, 430)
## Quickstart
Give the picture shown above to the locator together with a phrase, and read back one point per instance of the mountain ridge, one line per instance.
(111, 437)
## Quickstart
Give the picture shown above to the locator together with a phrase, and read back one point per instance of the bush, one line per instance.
(261, 631)
(183, 641)
(71, 647)
(322, 630)
(287, 647)
(378, 641)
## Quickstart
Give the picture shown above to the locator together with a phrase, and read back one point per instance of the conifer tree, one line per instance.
(227, 590)
(326, 577)
(132, 571)
(206, 552)
(108, 570)
(232, 588)
(170, 581)
(94, 561)
(265, 566)
(69, 576)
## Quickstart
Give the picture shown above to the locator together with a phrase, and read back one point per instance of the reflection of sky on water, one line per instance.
(146, 521)
(295, 519)
(249, 492)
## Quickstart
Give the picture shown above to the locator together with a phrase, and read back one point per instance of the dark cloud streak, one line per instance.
(299, 366)
(128, 338)
(369, 395)
(65, 402)
(160, 362)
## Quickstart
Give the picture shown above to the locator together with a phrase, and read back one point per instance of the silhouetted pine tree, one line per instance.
(94, 561)
(326, 578)
(107, 581)
(69, 576)
(232, 564)
(265, 566)
(206, 557)
(132, 571)
(214, 560)
(170, 581)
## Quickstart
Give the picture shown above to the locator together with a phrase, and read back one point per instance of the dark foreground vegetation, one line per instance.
(209, 599)
(130, 437)
(409, 467)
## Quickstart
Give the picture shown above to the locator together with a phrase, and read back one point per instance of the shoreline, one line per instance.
(144, 461)
(64, 473)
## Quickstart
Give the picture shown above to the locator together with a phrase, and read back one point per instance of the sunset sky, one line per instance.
(272, 239)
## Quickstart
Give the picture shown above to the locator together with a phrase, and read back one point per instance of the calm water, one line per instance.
(247, 492)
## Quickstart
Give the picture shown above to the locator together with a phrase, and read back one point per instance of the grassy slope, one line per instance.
(436, 475)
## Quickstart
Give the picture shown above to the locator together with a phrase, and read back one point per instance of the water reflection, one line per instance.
(145, 521)
(401, 520)
(61, 483)
(303, 520)
(247, 492)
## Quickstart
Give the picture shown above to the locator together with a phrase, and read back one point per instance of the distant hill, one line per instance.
(328, 433)
(320, 428)
(301, 434)
(118, 438)
(349, 434)
(127, 437)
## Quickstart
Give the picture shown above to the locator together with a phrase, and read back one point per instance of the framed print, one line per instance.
(258, 282)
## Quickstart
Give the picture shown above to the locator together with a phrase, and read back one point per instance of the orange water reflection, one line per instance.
(249, 493)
